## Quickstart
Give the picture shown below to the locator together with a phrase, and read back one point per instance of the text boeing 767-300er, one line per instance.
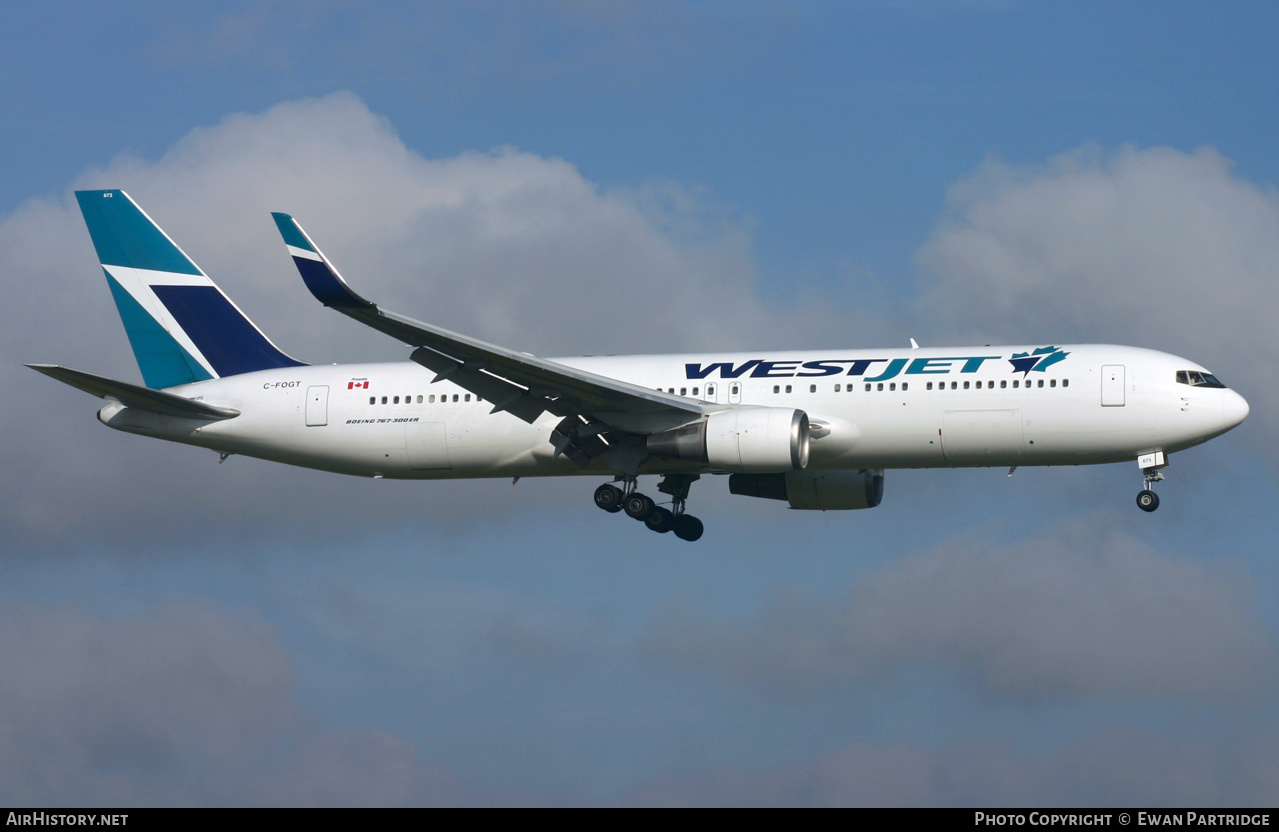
(813, 428)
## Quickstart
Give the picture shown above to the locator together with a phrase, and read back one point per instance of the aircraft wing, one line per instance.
(131, 395)
(517, 382)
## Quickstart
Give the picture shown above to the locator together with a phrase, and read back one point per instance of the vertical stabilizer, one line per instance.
(181, 326)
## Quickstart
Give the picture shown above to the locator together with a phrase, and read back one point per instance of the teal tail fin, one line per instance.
(181, 326)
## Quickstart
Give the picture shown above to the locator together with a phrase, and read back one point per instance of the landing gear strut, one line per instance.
(1147, 499)
(641, 507)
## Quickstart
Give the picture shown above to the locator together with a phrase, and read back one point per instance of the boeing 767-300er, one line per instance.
(813, 428)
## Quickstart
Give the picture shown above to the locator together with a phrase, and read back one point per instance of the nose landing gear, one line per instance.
(1147, 499)
(641, 507)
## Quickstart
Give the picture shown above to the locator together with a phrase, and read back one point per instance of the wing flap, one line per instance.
(131, 395)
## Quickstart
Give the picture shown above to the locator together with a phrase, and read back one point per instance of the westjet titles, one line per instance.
(761, 368)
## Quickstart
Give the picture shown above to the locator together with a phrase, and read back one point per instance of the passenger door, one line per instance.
(317, 406)
(1112, 385)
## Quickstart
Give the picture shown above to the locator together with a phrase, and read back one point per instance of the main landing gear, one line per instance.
(641, 507)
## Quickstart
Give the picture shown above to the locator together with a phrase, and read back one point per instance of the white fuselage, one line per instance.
(924, 408)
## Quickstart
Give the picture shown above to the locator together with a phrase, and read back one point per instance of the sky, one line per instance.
(607, 177)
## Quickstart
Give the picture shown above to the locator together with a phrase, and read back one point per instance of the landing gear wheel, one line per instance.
(1147, 500)
(638, 506)
(660, 520)
(688, 527)
(609, 497)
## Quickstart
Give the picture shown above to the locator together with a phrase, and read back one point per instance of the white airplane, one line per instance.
(814, 428)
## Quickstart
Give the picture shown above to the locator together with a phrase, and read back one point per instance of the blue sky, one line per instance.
(775, 175)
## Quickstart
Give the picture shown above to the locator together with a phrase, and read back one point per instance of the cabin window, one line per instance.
(979, 385)
(928, 386)
(1003, 384)
(467, 397)
(879, 386)
(694, 391)
(788, 388)
(430, 399)
(1041, 382)
(892, 386)
(812, 388)
(905, 386)
(683, 391)
(1052, 383)
(455, 397)
(1065, 382)
(1016, 382)
(384, 400)
(867, 388)
(836, 388)
(966, 385)
(777, 389)
(734, 389)
(372, 399)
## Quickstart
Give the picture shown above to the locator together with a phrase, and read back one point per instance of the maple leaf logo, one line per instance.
(1038, 361)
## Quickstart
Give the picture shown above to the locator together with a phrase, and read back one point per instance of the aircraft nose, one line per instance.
(1234, 408)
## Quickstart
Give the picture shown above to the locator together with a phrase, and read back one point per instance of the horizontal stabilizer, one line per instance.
(131, 395)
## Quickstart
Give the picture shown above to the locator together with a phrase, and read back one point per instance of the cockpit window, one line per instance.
(1197, 379)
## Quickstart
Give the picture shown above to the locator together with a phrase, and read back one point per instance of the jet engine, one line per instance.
(750, 440)
(815, 490)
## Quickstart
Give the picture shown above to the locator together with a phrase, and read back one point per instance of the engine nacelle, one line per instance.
(748, 440)
(814, 490)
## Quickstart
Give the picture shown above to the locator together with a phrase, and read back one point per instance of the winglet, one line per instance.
(317, 272)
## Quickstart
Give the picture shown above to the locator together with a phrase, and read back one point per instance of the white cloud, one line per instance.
(1154, 247)
(505, 245)
(1077, 615)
